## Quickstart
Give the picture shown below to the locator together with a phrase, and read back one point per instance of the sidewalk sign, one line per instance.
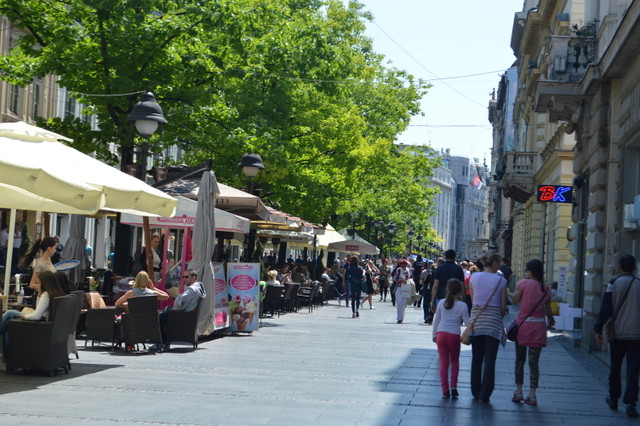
(244, 294)
(221, 312)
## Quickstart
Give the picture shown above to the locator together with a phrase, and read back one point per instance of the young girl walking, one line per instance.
(450, 313)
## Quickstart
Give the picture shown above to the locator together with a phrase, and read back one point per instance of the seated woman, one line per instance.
(50, 289)
(143, 287)
(273, 275)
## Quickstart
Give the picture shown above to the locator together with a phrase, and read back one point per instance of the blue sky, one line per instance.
(430, 38)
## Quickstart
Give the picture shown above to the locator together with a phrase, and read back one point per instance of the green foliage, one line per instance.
(296, 81)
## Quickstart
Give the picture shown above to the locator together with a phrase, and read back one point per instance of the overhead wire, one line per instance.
(427, 69)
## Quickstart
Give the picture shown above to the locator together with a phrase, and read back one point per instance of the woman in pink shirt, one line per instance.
(534, 297)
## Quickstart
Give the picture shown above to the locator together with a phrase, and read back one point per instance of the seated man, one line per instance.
(187, 301)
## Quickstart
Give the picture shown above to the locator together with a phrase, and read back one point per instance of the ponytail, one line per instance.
(454, 288)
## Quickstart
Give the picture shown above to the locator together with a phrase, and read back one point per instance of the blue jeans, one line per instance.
(4, 332)
(484, 350)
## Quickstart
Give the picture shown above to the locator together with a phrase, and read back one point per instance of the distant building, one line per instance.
(444, 204)
(469, 224)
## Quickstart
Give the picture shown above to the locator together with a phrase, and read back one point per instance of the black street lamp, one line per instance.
(251, 164)
(410, 234)
(419, 239)
(147, 116)
(391, 228)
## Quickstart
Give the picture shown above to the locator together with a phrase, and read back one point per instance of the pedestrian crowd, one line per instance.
(471, 298)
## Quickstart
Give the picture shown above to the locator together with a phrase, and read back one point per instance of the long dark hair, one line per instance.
(454, 288)
(536, 268)
(41, 244)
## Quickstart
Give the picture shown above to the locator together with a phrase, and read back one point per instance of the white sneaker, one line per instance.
(371, 307)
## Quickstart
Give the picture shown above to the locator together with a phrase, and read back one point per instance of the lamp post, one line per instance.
(251, 164)
(147, 116)
(410, 234)
(419, 244)
(391, 228)
(377, 224)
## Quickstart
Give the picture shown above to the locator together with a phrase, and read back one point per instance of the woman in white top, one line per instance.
(450, 313)
(143, 286)
(50, 289)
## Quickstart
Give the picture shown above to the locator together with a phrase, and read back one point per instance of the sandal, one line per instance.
(531, 400)
(517, 397)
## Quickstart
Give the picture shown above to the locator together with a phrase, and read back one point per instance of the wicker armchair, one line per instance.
(100, 320)
(141, 324)
(183, 327)
(42, 345)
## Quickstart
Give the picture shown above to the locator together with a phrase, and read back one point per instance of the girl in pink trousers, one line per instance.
(450, 313)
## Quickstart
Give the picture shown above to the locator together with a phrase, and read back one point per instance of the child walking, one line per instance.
(450, 313)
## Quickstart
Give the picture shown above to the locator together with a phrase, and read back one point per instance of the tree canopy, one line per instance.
(296, 81)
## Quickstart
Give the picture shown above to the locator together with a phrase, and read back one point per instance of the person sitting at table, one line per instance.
(273, 278)
(143, 286)
(50, 289)
(186, 301)
(63, 281)
(45, 247)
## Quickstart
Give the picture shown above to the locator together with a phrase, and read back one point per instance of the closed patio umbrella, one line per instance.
(75, 248)
(203, 245)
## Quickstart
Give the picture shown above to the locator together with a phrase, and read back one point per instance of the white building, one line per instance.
(444, 204)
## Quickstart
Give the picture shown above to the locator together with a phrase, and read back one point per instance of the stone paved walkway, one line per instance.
(323, 368)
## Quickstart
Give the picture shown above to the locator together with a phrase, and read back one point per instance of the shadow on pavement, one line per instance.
(26, 380)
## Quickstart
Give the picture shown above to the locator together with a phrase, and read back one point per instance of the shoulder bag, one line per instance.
(514, 327)
(465, 337)
(610, 326)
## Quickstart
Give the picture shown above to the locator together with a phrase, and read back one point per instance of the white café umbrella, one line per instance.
(33, 160)
(355, 244)
(202, 247)
(39, 173)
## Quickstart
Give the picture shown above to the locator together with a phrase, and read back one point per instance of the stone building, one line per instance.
(577, 118)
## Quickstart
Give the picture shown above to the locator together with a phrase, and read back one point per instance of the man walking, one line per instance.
(620, 303)
(449, 269)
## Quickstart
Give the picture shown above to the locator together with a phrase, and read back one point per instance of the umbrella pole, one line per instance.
(147, 246)
(7, 266)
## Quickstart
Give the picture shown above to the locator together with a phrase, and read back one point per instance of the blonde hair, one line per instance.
(273, 274)
(142, 279)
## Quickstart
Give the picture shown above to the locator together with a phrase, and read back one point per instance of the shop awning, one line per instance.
(185, 217)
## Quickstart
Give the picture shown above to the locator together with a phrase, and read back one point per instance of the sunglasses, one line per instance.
(185, 276)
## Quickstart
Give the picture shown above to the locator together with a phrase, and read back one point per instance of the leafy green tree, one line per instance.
(296, 81)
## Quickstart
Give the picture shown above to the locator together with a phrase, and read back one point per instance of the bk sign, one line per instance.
(555, 194)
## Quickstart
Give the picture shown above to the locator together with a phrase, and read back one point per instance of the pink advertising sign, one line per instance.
(244, 296)
(221, 312)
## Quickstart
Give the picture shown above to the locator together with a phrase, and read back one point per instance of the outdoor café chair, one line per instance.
(273, 299)
(183, 326)
(141, 324)
(42, 345)
(100, 320)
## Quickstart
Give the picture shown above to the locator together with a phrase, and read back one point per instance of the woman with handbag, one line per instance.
(489, 297)
(534, 298)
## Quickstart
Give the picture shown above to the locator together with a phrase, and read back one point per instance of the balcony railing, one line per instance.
(520, 163)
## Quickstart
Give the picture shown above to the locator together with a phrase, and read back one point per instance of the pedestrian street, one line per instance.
(320, 368)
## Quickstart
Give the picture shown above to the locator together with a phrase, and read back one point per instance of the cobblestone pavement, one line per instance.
(323, 368)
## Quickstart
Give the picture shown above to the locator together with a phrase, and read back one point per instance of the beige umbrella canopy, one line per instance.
(33, 160)
(37, 172)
